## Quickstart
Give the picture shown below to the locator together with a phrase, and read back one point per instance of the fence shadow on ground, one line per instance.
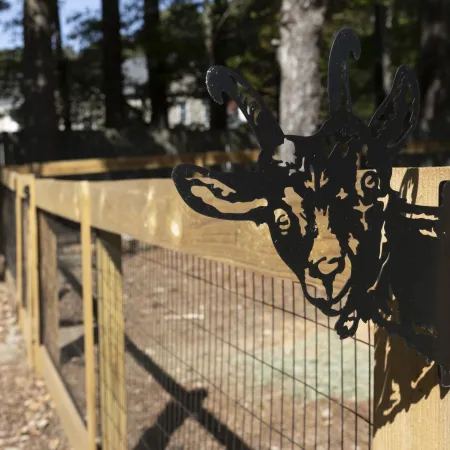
(172, 417)
(185, 404)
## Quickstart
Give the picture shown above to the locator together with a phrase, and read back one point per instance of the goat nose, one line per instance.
(326, 266)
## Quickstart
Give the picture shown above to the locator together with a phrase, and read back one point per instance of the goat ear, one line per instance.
(396, 117)
(220, 80)
(221, 195)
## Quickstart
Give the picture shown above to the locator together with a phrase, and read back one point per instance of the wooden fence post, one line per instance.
(111, 341)
(411, 409)
(88, 307)
(48, 282)
(25, 253)
(33, 258)
(19, 251)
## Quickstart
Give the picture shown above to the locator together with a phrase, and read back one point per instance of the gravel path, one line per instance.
(27, 416)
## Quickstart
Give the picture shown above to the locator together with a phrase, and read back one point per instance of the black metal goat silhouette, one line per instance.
(376, 241)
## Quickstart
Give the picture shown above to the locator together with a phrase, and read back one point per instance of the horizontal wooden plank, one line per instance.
(96, 166)
(67, 412)
(106, 165)
(152, 211)
(59, 197)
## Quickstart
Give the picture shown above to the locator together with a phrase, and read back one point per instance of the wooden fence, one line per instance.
(407, 408)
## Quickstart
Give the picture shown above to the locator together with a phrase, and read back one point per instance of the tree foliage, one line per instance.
(245, 36)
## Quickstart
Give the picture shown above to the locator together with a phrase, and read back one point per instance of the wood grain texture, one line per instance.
(411, 410)
(99, 252)
(59, 197)
(19, 245)
(48, 281)
(152, 211)
(29, 271)
(112, 342)
(33, 258)
(68, 414)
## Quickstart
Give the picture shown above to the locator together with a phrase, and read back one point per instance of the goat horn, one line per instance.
(405, 80)
(345, 42)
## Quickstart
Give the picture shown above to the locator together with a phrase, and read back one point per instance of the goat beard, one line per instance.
(365, 297)
(365, 303)
(326, 304)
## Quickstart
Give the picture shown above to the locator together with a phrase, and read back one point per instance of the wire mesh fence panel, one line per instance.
(62, 320)
(61, 306)
(220, 357)
(9, 230)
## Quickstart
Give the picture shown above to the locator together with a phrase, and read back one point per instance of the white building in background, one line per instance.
(8, 125)
(185, 110)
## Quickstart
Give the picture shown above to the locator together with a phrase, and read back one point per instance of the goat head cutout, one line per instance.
(307, 187)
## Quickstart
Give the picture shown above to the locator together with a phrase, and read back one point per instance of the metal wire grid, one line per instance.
(219, 357)
(62, 321)
(9, 229)
(64, 339)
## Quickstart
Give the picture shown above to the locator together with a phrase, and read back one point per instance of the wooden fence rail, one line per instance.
(107, 165)
(152, 212)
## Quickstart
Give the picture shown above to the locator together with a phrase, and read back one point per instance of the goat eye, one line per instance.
(370, 181)
(282, 219)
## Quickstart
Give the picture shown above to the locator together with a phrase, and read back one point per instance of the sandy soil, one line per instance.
(27, 416)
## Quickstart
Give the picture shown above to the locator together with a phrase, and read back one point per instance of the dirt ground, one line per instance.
(222, 358)
(27, 416)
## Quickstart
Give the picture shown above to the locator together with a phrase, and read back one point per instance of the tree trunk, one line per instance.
(157, 82)
(383, 16)
(434, 69)
(112, 65)
(301, 22)
(39, 112)
(214, 47)
(380, 13)
(62, 68)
